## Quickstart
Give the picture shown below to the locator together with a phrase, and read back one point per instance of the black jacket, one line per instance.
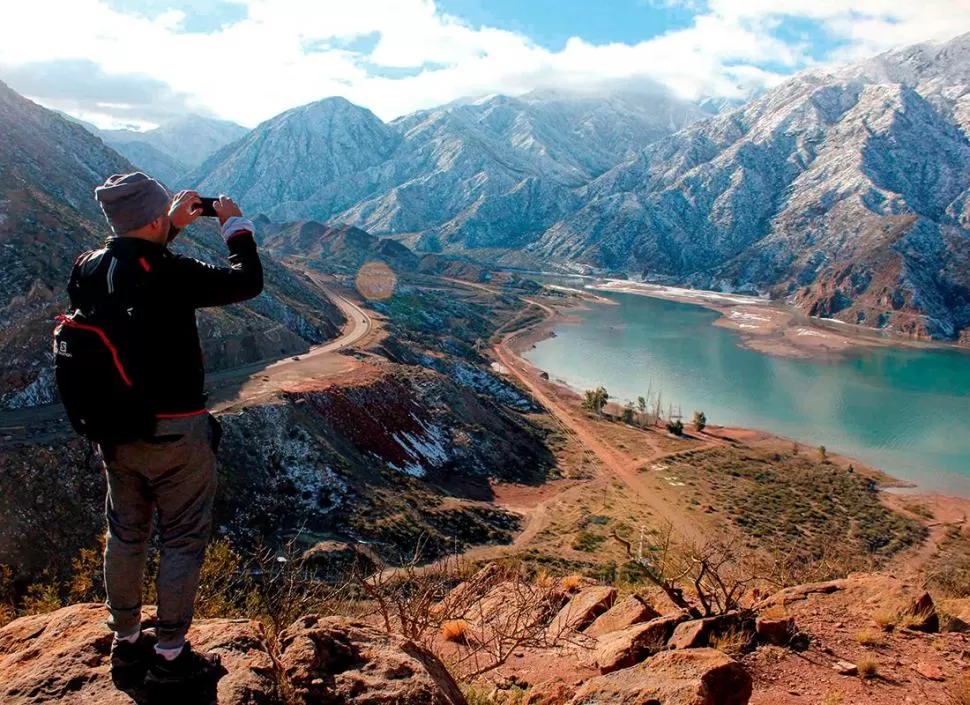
(156, 293)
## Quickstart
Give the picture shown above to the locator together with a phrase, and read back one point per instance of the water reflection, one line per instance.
(904, 410)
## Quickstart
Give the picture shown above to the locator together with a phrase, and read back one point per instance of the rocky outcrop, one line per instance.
(695, 677)
(63, 657)
(582, 609)
(631, 610)
(699, 632)
(632, 645)
(775, 630)
(330, 661)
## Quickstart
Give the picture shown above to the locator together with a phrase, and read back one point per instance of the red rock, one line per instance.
(929, 671)
(631, 610)
(697, 633)
(582, 609)
(696, 677)
(338, 661)
(550, 693)
(63, 657)
(632, 645)
(775, 631)
(922, 615)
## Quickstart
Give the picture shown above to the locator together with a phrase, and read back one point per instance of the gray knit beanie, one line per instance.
(132, 201)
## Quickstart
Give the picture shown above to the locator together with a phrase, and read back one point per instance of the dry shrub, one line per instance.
(869, 638)
(572, 583)
(719, 575)
(868, 667)
(504, 610)
(732, 642)
(42, 598)
(457, 631)
(911, 618)
(886, 619)
(476, 694)
(544, 580)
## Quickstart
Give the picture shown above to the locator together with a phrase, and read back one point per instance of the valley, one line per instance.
(755, 413)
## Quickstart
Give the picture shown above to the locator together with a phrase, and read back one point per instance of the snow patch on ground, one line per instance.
(38, 393)
(744, 316)
(809, 332)
(425, 448)
(674, 292)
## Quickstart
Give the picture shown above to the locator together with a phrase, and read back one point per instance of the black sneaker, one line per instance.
(188, 668)
(129, 661)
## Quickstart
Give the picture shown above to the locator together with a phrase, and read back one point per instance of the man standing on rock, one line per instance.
(172, 468)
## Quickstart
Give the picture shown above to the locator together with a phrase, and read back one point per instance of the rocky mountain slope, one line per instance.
(49, 167)
(846, 191)
(480, 174)
(175, 147)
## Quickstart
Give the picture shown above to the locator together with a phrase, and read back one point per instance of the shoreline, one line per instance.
(774, 328)
(896, 492)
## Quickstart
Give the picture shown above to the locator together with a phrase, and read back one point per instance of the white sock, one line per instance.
(169, 654)
(131, 638)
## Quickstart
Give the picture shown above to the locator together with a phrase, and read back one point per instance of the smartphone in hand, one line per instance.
(207, 209)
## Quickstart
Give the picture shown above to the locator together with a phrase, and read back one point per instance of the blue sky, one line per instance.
(141, 62)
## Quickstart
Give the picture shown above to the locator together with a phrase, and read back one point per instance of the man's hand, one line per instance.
(185, 210)
(226, 208)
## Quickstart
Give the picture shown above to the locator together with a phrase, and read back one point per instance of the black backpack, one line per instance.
(96, 360)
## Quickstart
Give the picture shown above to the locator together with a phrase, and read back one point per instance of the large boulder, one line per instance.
(582, 609)
(696, 677)
(775, 630)
(631, 610)
(63, 657)
(335, 661)
(698, 632)
(632, 645)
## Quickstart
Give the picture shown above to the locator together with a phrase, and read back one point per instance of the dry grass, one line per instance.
(870, 638)
(732, 642)
(886, 619)
(909, 619)
(571, 583)
(868, 667)
(544, 580)
(457, 631)
(834, 697)
(960, 691)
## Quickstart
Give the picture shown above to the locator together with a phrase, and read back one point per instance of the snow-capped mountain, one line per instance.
(847, 191)
(844, 189)
(174, 148)
(490, 173)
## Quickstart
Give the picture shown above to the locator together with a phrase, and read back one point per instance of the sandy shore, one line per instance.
(770, 327)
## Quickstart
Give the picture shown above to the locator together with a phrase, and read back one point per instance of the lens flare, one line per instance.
(376, 282)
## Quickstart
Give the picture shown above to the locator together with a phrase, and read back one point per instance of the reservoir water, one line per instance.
(904, 410)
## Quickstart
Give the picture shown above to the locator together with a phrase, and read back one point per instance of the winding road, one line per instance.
(44, 424)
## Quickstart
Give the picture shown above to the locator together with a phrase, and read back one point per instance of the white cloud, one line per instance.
(289, 52)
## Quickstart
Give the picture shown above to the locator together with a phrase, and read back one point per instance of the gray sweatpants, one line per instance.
(175, 474)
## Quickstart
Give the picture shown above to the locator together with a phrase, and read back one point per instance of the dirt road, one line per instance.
(47, 423)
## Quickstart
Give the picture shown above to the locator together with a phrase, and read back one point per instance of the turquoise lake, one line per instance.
(906, 411)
